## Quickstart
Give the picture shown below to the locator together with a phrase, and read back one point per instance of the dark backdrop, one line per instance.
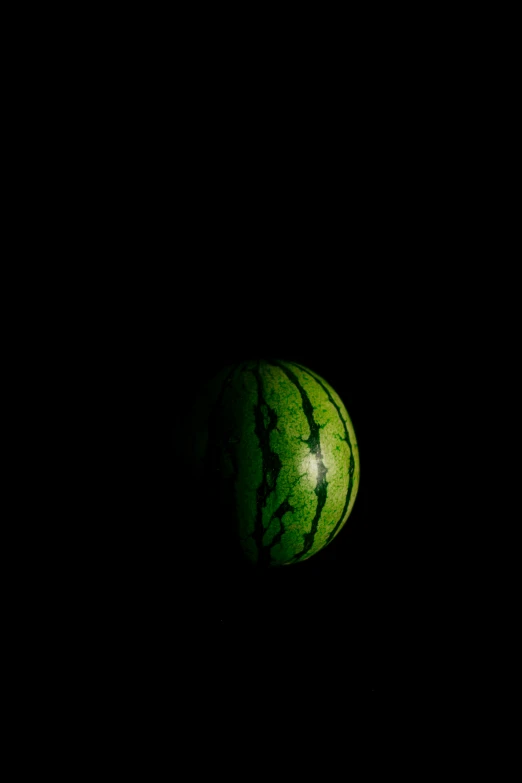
(335, 221)
(355, 612)
(245, 245)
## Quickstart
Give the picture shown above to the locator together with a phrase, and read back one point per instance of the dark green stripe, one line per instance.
(351, 469)
(271, 466)
(314, 444)
(280, 511)
(278, 514)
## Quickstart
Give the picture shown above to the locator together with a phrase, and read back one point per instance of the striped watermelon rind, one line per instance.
(285, 446)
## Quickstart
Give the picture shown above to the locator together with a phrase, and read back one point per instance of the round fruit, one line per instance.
(281, 445)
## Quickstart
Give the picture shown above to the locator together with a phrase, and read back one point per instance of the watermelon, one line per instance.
(280, 444)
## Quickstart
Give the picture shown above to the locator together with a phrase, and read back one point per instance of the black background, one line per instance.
(362, 614)
(342, 277)
(329, 239)
(336, 213)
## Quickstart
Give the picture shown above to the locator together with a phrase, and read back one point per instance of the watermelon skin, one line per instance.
(283, 446)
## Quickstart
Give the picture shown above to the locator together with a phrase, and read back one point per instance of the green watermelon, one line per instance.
(282, 445)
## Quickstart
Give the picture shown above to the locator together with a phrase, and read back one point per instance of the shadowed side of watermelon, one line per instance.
(275, 446)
